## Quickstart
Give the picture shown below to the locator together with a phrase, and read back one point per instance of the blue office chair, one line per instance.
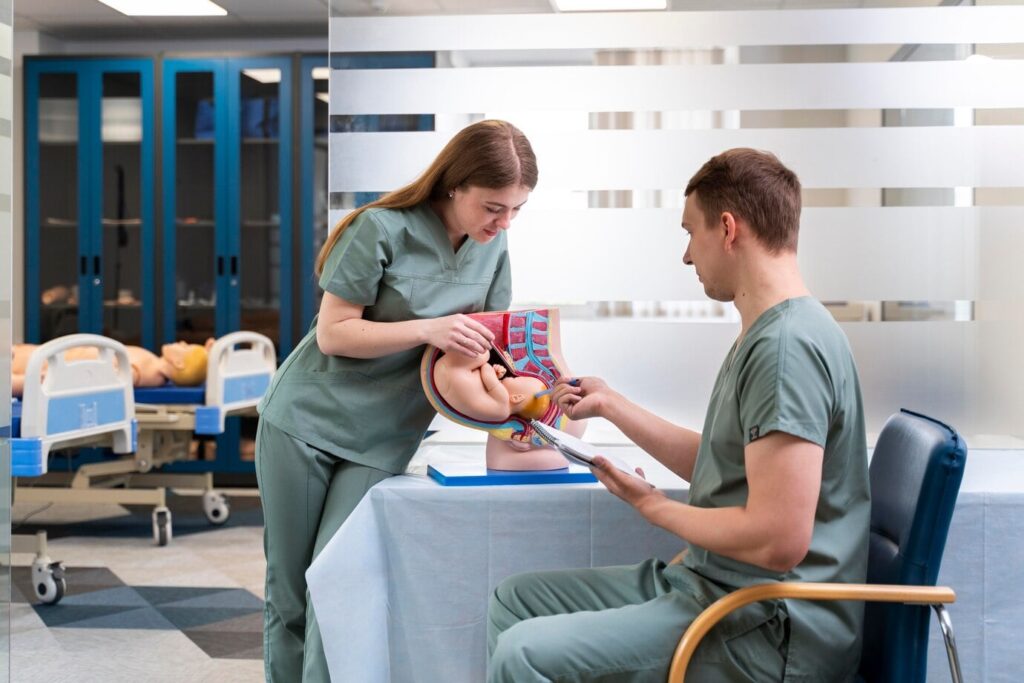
(915, 477)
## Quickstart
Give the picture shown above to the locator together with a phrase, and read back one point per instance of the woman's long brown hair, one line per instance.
(492, 154)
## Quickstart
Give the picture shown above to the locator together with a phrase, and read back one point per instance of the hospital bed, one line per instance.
(79, 403)
(239, 369)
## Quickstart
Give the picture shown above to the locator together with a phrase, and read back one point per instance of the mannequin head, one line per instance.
(185, 363)
(521, 397)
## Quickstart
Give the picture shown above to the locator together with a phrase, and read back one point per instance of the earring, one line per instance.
(451, 195)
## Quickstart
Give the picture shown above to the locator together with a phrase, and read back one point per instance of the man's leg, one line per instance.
(621, 624)
(293, 480)
(349, 484)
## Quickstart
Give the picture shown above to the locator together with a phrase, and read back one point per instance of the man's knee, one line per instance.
(504, 609)
(523, 654)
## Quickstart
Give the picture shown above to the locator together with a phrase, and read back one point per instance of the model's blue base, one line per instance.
(479, 475)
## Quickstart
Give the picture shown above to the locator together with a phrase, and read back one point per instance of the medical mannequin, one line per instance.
(479, 390)
(482, 391)
(181, 363)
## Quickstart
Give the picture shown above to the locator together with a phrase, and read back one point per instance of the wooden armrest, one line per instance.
(706, 620)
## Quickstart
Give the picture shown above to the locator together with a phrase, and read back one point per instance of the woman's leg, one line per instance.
(293, 480)
(349, 484)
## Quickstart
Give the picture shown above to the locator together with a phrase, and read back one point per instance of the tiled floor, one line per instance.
(190, 611)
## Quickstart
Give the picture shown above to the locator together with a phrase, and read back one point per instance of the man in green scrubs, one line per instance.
(778, 479)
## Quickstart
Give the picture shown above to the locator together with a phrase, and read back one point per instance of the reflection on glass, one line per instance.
(6, 163)
(58, 205)
(321, 120)
(195, 290)
(121, 224)
(260, 239)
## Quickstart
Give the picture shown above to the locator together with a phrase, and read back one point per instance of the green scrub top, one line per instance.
(400, 265)
(793, 372)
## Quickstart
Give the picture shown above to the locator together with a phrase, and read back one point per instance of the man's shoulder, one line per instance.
(801, 330)
(804, 320)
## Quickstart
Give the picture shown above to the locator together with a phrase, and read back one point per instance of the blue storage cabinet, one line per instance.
(89, 204)
(227, 198)
(227, 160)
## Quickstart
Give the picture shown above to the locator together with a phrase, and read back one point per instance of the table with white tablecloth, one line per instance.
(401, 591)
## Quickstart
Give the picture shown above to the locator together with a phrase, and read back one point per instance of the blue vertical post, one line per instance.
(307, 171)
(32, 294)
(90, 184)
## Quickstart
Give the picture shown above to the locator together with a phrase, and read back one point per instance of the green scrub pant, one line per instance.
(306, 495)
(617, 624)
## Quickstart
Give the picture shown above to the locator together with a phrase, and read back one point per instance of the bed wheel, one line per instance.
(48, 582)
(161, 526)
(216, 507)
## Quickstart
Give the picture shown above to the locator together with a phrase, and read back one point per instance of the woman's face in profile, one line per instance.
(481, 213)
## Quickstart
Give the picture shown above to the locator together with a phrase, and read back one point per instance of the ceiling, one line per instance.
(92, 20)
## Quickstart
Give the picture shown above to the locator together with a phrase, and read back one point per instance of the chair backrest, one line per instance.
(916, 470)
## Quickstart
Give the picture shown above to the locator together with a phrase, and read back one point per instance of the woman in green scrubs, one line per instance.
(346, 409)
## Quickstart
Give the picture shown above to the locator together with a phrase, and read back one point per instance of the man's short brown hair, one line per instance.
(756, 187)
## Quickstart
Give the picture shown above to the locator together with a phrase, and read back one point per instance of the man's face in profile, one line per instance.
(704, 249)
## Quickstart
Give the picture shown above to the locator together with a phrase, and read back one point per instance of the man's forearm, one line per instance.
(672, 445)
(733, 532)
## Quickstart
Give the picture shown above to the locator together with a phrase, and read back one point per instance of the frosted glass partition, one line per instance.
(914, 212)
(6, 259)
(898, 85)
(922, 156)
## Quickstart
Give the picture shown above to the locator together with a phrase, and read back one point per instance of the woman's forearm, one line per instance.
(360, 338)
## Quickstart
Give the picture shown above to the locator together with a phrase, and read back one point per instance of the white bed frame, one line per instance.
(81, 402)
(77, 403)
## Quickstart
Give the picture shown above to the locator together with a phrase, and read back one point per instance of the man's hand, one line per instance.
(590, 399)
(636, 492)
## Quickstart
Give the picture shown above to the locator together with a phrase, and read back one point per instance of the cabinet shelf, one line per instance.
(52, 222)
(195, 222)
(260, 141)
(116, 222)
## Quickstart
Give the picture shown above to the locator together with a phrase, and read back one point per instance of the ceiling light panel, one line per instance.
(608, 5)
(166, 8)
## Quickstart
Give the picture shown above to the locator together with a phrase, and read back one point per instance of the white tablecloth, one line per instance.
(401, 591)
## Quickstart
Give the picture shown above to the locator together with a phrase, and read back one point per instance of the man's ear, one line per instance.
(728, 224)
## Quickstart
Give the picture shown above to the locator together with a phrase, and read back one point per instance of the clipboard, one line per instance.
(577, 450)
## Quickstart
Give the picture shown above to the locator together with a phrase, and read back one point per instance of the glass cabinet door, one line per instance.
(88, 198)
(192, 277)
(260, 250)
(315, 224)
(54, 234)
(121, 224)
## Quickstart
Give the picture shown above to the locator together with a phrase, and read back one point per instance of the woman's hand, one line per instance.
(589, 399)
(458, 333)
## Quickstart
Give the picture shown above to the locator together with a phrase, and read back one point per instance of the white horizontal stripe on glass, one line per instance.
(614, 30)
(887, 85)
(909, 157)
